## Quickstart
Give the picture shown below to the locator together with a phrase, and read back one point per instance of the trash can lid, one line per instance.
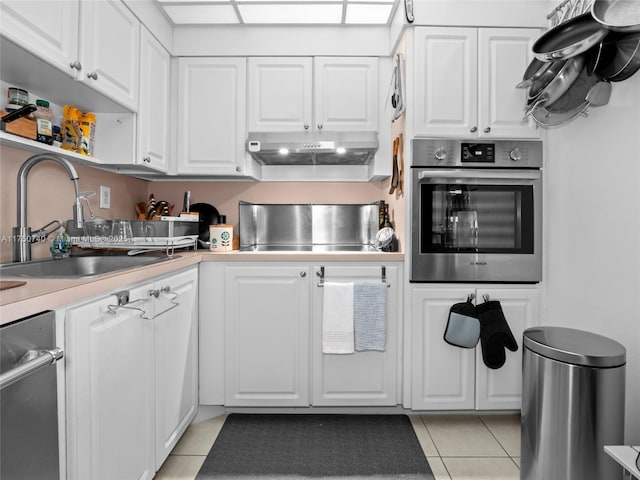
(576, 347)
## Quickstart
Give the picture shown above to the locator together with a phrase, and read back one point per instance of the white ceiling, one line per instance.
(278, 12)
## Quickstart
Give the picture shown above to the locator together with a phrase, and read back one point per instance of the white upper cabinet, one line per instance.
(465, 82)
(153, 115)
(346, 93)
(48, 29)
(279, 94)
(109, 50)
(304, 93)
(211, 116)
(96, 42)
(503, 56)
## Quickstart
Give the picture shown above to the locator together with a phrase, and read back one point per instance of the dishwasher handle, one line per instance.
(29, 363)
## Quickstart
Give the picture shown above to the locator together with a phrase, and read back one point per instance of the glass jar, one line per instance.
(44, 127)
(16, 98)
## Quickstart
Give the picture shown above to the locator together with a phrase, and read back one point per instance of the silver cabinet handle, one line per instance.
(320, 126)
(487, 130)
(33, 360)
(77, 65)
(147, 159)
(92, 75)
(238, 169)
(473, 129)
(306, 126)
(303, 274)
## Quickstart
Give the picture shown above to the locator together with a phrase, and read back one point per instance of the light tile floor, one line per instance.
(458, 447)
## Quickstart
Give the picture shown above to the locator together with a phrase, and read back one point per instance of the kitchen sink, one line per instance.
(80, 266)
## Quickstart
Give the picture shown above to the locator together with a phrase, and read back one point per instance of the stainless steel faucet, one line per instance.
(22, 237)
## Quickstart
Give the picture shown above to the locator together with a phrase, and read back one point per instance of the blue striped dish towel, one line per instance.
(370, 316)
(337, 318)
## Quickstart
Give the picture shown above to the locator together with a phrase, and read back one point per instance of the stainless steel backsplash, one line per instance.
(307, 224)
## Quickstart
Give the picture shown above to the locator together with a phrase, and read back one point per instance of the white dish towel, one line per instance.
(337, 318)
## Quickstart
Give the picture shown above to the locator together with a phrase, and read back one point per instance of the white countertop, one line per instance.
(40, 294)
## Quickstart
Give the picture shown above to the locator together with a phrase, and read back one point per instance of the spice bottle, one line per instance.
(44, 127)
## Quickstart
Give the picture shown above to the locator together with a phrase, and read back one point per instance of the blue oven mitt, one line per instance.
(495, 334)
(463, 326)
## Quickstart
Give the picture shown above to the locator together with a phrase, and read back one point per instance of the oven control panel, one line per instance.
(430, 152)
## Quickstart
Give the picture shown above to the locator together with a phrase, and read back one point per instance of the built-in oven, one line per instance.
(476, 211)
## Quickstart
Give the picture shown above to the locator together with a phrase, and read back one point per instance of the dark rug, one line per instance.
(316, 446)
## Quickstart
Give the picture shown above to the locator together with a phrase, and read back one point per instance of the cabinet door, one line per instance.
(47, 28)
(446, 81)
(279, 94)
(153, 116)
(443, 376)
(109, 48)
(176, 338)
(267, 314)
(503, 55)
(502, 388)
(345, 93)
(211, 115)
(110, 394)
(363, 378)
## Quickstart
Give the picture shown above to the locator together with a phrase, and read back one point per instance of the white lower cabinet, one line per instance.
(266, 319)
(363, 378)
(176, 359)
(131, 379)
(270, 315)
(445, 377)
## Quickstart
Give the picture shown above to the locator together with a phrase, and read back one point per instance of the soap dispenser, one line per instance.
(61, 244)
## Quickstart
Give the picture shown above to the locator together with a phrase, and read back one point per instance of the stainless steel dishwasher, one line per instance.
(29, 446)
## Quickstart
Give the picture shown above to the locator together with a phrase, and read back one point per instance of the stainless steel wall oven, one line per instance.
(476, 211)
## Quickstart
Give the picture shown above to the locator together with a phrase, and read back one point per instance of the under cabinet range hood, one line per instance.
(313, 148)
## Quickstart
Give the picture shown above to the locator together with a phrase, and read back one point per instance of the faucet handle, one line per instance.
(41, 234)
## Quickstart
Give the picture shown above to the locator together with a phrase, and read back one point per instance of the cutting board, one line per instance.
(5, 284)
(23, 127)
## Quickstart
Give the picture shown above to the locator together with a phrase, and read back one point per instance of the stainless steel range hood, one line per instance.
(313, 148)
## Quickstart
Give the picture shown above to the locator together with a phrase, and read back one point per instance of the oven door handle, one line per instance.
(480, 174)
(30, 362)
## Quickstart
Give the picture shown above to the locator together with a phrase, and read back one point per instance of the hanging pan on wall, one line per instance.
(617, 15)
(619, 56)
(554, 82)
(586, 91)
(535, 70)
(570, 38)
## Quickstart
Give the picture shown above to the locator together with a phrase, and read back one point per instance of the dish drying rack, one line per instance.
(568, 9)
(141, 244)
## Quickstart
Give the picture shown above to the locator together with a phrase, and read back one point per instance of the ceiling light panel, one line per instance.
(358, 13)
(310, 13)
(201, 14)
(285, 12)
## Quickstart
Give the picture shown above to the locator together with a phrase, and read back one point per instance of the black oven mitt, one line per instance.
(495, 334)
(463, 326)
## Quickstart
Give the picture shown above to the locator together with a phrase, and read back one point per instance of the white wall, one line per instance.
(592, 212)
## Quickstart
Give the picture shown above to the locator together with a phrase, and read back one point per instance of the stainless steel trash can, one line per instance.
(572, 404)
